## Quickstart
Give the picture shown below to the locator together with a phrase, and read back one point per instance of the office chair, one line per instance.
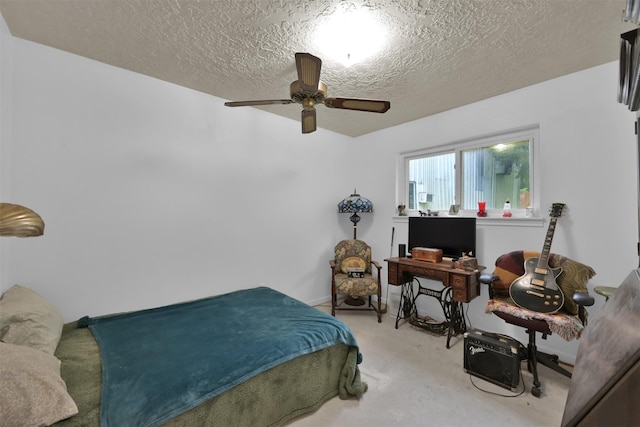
(568, 322)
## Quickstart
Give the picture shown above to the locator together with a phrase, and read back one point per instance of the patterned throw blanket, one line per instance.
(161, 362)
(567, 326)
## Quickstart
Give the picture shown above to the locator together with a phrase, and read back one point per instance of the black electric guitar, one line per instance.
(537, 289)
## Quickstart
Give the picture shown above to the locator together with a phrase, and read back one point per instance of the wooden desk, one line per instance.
(460, 286)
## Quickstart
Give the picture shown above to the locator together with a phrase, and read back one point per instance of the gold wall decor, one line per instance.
(16, 220)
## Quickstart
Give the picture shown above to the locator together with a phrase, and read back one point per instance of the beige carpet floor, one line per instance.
(414, 380)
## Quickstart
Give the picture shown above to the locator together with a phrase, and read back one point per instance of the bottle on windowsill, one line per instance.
(507, 209)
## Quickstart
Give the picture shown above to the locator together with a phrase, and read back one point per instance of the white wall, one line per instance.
(588, 159)
(153, 193)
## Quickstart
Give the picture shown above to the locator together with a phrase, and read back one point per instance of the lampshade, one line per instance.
(16, 220)
(355, 204)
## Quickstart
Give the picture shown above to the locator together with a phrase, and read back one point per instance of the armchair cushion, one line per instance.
(351, 263)
(356, 287)
(574, 276)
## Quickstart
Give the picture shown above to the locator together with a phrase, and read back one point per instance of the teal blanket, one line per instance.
(161, 362)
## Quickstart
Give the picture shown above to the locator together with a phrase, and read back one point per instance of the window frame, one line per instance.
(531, 133)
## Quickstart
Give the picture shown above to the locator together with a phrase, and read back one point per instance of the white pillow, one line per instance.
(26, 318)
(32, 393)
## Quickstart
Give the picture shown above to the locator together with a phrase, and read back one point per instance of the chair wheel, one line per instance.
(536, 391)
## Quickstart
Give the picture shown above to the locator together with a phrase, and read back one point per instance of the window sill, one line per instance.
(490, 220)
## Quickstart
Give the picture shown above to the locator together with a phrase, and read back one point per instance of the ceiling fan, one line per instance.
(308, 90)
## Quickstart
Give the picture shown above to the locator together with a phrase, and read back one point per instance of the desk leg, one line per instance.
(407, 302)
(454, 313)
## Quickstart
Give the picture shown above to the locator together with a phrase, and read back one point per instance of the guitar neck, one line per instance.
(546, 248)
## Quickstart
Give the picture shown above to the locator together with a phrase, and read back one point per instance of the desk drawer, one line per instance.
(460, 295)
(465, 288)
(392, 274)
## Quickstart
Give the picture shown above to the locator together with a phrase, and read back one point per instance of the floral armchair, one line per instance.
(353, 259)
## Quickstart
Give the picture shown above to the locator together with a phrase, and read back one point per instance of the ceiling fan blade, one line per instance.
(370, 105)
(308, 71)
(308, 121)
(253, 103)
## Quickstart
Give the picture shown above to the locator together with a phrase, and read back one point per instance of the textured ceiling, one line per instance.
(440, 54)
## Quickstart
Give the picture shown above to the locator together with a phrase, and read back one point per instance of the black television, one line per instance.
(454, 235)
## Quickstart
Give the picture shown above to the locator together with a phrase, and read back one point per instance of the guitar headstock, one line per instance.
(556, 210)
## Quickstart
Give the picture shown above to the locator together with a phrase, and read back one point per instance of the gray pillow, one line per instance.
(32, 393)
(26, 318)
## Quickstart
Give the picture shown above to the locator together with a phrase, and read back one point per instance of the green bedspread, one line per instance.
(263, 317)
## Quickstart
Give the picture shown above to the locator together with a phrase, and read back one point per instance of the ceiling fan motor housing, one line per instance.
(299, 95)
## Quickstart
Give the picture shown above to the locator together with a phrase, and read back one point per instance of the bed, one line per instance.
(290, 360)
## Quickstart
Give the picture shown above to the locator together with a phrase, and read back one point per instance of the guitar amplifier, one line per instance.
(493, 358)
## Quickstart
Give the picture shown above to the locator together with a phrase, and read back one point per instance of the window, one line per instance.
(491, 169)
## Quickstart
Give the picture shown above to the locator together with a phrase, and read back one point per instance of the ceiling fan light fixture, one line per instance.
(308, 104)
